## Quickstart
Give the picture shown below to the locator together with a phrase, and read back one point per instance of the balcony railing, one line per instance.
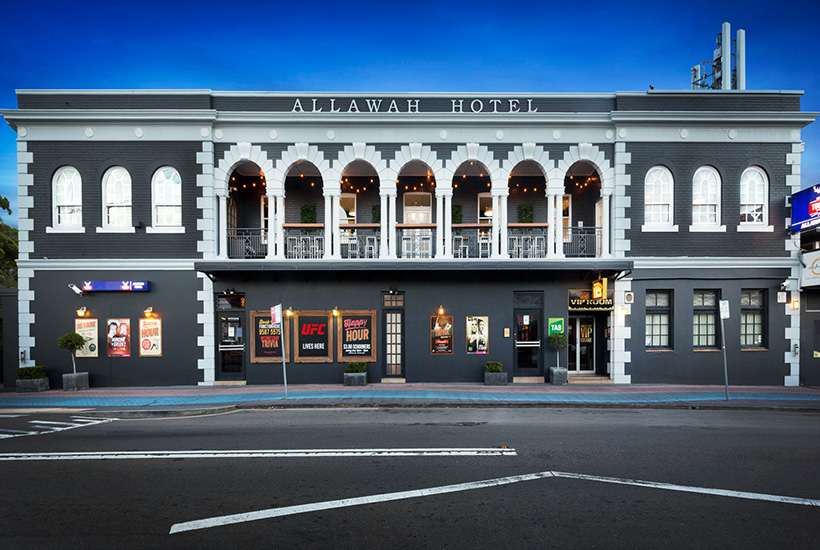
(472, 240)
(360, 241)
(582, 242)
(416, 241)
(304, 243)
(247, 243)
(527, 240)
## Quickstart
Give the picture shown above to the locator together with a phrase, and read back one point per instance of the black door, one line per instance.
(393, 333)
(231, 345)
(528, 353)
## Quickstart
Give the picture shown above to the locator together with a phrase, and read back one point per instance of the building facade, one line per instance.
(424, 234)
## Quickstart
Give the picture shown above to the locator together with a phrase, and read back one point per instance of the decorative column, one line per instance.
(439, 223)
(496, 221)
(279, 225)
(606, 223)
(335, 227)
(559, 226)
(328, 225)
(551, 227)
(391, 225)
(223, 226)
(384, 224)
(271, 236)
(504, 228)
(448, 225)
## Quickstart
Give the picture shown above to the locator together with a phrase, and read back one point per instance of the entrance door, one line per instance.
(528, 354)
(418, 210)
(581, 344)
(393, 323)
(231, 345)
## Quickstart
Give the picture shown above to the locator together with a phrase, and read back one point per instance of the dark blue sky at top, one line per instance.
(410, 46)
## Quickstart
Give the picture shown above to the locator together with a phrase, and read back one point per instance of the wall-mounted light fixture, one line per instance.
(289, 312)
(441, 310)
(795, 304)
(82, 312)
(335, 311)
(149, 311)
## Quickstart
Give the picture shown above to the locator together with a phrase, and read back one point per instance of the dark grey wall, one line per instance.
(730, 159)
(709, 101)
(810, 337)
(11, 357)
(92, 160)
(173, 297)
(684, 365)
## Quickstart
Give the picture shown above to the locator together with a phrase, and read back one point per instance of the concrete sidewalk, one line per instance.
(185, 400)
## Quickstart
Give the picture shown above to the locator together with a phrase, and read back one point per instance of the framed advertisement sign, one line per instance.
(150, 332)
(312, 340)
(118, 337)
(478, 340)
(356, 336)
(88, 329)
(267, 338)
(441, 335)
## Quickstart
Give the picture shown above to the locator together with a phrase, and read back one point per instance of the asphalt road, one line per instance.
(81, 502)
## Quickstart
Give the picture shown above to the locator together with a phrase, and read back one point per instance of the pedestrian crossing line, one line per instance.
(55, 422)
(44, 427)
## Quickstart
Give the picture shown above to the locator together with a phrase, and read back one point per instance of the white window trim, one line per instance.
(709, 227)
(154, 228)
(754, 227)
(655, 227)
(55, 226)
(405, 207)
(479, 217)
(107, 227)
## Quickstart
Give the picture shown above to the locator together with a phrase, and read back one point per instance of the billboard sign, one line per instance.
(806, 209)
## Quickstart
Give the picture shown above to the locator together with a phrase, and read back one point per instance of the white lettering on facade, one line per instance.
(297, 107)
(457, 105)
(393, 107)
(495, 103)
(373, 105)
(412, 105)
(354, 108)
(315, 110)
(480, 106)
(514, 106)
(529, 107)
(333, 105)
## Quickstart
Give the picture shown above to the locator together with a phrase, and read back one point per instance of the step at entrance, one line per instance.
(587, 378)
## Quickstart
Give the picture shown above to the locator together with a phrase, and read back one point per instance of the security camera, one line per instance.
(785, 285)
(76, 290)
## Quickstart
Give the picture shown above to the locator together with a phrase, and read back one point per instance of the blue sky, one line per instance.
(410, 46)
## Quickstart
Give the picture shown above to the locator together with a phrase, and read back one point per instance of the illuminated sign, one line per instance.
(806, 209)
(599, 289)
(116, 286)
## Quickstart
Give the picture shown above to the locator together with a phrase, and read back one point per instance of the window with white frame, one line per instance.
(754, 197)
(659, 319)
(485, 208)
(704, 318)
(67, 189)
(117, 198)
(706, 197)
(752, 318)
(166, 188)
(659, 197)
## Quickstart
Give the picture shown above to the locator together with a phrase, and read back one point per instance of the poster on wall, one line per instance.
(441, 335)
(313, 343)
(118, 337)
(356, 336)
(88, 329)
(267, 338)
(478, 341)
(150, 337)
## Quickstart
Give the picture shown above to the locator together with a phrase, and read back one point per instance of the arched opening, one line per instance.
(304, 215)
(527, 211)
(415, 226)
(247, 211)
(472, 211)
(582, 211)
(359, 211)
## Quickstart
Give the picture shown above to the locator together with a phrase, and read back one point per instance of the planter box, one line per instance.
(355, 379)
(495, 378)
(558, 376)
(32, 384)
(73, 382)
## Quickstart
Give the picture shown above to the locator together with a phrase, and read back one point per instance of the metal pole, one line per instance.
(725, 367)
(282, 343)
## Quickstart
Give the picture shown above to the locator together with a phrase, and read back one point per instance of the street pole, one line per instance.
(277, 317)
(724, 314)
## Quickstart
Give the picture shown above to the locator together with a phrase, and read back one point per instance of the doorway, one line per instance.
(231, 337)
(393, 323)
(528, 356)
(581, 343)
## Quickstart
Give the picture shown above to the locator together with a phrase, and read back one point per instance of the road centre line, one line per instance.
(57, 423)
(296, 453)
(347, 502)
(219, 521)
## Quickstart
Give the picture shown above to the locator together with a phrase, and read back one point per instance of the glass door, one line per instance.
(231, 346)
(528, 354)
(581, 344)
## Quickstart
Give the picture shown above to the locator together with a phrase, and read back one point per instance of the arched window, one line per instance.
(706, 199)
(659, 199)
(116, 198)
(754, 197)
(67, 195)
(166, 188)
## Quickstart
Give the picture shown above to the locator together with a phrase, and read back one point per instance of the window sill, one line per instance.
(754, 349)
(707, 228)
(650, 228)
(65, 229)
(168, 229)
(699, 350)
(754, 228)
(116, 230)
(655, 350)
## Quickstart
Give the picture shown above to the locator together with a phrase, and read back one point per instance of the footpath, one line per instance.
(190, 400)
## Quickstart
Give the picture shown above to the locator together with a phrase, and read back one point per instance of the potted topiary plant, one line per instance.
(73, 342)
(32, 379)
(558, 375)
(356, 373)
(494, 374)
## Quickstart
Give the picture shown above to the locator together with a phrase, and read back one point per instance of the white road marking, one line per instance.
(11, 415)
(52, 426)
(15, 431)
(689, 489)
(347, 502)
(54, 422)
(373, 499)
(306, 453)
